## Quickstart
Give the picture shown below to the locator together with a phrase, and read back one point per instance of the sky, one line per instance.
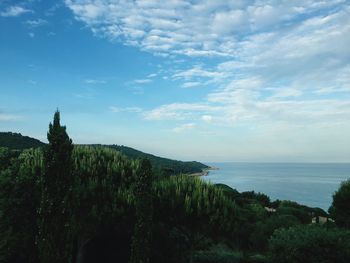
(213, 81)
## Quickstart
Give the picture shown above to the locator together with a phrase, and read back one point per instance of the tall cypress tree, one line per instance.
(141, 243)
(56, 187)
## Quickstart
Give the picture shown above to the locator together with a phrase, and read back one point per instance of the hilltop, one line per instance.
(17, 141)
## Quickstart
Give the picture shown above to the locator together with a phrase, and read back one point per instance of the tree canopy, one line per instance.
(340, 208)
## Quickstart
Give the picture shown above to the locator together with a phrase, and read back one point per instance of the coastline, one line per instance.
(204, 172)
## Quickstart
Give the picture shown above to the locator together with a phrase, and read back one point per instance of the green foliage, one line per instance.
(263, 229)
(261, 198)
(102, 191)
(301, 215)
(19, 200)
(170, 244)
(312, 243)
(162, 166)
(141, 243)
(257, 258)
(6, 157)
(340, 209)
(233, 194)
(199, 205)
(60, 201)
(56, 183)
(18, 141)
(197, 209)
(218, 254)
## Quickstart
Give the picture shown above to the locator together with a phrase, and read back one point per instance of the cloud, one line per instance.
(51, 11)
(126, 109)
(142, 81)
(179, 111)
(36, 23)
(285, 93)
(198, 72)
(272, 67)
(152, 75)
(207, 118)
(184, 127)
(9, 117)
(137, 90)
(15, 10)
(191, 28)
(31, 34)
(95, 81)
(191, 84)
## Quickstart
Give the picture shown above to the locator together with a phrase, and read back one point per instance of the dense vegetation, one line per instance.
(66, 203)
(160, 165)
(18, 141)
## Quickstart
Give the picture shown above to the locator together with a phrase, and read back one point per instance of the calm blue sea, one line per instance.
(306, 183)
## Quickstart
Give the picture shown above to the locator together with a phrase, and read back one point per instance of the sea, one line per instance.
(311, 184)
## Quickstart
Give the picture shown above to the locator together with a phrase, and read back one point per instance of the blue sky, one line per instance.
(261, 80)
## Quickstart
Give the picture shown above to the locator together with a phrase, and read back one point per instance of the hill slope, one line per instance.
(17, 141)
(165, 166)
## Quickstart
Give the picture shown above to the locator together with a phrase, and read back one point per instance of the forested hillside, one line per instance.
(18, 141)
(166, 166)
(161, 165)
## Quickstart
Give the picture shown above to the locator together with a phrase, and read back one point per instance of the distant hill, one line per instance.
(167, 166)
(17, 141)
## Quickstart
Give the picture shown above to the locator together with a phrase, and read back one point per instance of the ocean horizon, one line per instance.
(311, 184)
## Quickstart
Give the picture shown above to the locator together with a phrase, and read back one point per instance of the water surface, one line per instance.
(306, 183)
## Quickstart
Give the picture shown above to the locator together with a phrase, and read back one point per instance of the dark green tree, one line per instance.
(141, 242)
(310, 243)
(56, 184)
(340, 208)
(19, 199)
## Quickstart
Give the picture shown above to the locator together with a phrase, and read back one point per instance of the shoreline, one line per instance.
(204, 172)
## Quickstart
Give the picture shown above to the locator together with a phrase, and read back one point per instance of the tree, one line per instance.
(141, 242)
(56, 186)
(19, 199)
(314, 244)
(340, 208)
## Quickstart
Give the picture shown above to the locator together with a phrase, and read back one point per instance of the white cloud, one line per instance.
(179, 111)
(142, 81)
(198, 72)
(191, 84)
(198, 28)
(9, 117)
(51, 11)
(184, 127)
(276, 68)
(31, 34)
(95, 81)
(275, 53)
(36, 23)
(207, 118)
(126, 109)
(285, 93)
(15, 10)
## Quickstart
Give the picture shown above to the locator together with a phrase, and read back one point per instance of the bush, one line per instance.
(340, 209)
(315, 244)
(218, 254)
